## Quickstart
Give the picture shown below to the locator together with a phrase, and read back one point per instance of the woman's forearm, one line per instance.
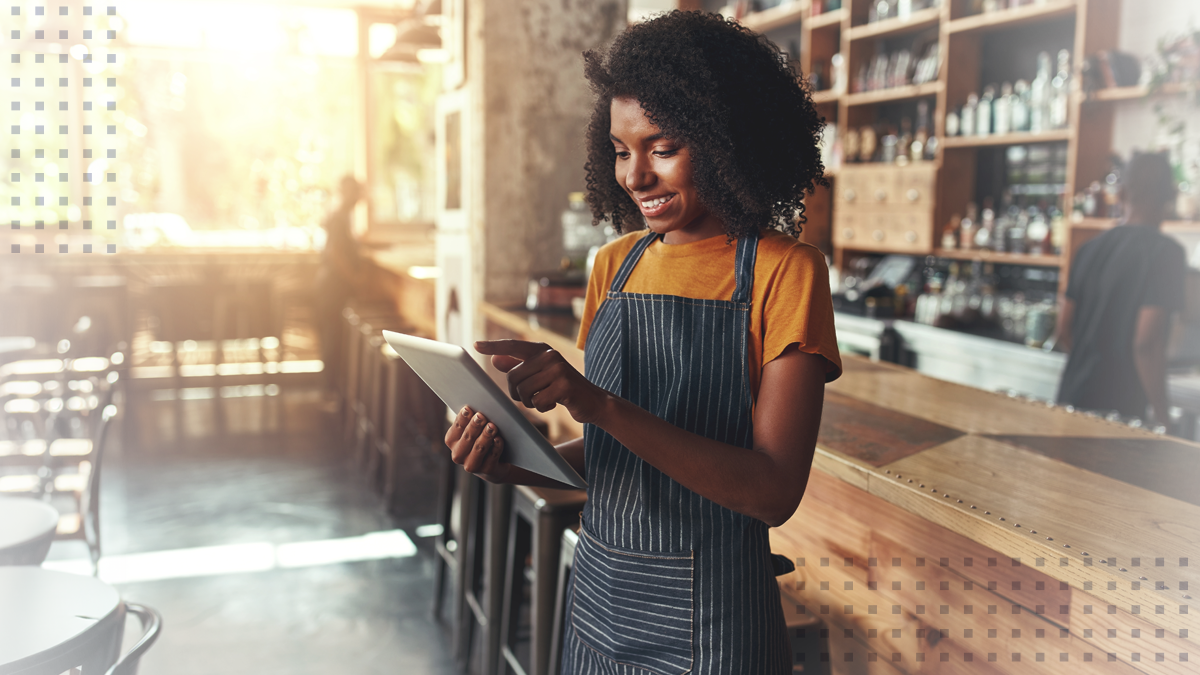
(750, 482)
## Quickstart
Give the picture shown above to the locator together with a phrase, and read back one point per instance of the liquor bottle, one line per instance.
(1002, 110)
(1037, 231)
(867, 143)
(1060, 96)
(952, 123)
(904, 143)
(1017, 228)
(916, 151)
(983, 113)
(1039, 96)
(966, 228)
(1058, 230)
(887, 146)
(987, 225)
(967, 123)
(950, 233)
(931, 148)
(1018, 106)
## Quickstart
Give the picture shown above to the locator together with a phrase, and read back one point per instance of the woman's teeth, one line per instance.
(656, 202)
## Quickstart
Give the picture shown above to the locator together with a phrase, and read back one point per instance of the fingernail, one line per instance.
(465, 411)
(478, 418)
(491, 428)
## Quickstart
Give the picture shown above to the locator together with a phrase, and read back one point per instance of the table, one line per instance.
(26, 530)
(54, 621)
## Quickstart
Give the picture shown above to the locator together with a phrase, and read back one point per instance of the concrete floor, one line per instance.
(213, 471)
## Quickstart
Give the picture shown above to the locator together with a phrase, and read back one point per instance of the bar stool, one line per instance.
(808, 635)
(371, 405)
(566, 561)
(354, 313)
(539, 516)
(484, 592)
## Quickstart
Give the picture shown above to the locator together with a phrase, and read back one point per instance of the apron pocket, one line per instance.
(634, 607)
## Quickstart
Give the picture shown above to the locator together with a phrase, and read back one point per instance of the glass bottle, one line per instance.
(966, 228)
(1018, 106)
(1060, 97)
(904, 143)
(952, 124)
(987, 225)
(916, 151)
(983, 113)
(1002, 110)
(1018, 226)
(1039, 96)
(967, 123)
(1037, 232)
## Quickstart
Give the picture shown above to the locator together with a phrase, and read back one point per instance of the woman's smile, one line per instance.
(652, 207)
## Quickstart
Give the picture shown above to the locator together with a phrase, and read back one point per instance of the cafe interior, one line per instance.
(212, 460)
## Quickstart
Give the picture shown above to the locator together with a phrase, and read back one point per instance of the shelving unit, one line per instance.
(1116, 94)
(971, 47)
(919, 20)
(1012, 18)
(1020, 138)
(912, 91)
(1001, 258)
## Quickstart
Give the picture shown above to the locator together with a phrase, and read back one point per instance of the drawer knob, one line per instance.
(848, 233)
(880, 195)
(849, 195)
(877, 235)
(913, 194)
(910, 237)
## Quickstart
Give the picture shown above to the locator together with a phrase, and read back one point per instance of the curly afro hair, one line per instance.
(732, 96)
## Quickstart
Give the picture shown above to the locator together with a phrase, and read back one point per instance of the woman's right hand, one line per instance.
(476, 444)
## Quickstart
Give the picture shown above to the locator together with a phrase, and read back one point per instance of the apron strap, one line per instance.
(747, 254)
(631, 261)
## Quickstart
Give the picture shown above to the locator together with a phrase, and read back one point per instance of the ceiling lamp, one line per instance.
(416, 34)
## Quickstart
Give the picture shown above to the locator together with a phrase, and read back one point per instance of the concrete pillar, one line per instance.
(530, 105)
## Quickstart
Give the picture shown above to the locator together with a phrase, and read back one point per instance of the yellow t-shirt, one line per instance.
(790, 303)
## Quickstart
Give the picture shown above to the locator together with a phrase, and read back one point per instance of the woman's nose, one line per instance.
(638, 174)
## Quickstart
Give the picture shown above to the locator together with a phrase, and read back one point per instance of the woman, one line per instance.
(708, 340)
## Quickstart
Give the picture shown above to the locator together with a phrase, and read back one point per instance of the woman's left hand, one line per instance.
(541, 378)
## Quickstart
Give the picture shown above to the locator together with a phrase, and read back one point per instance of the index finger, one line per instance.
(520, 349)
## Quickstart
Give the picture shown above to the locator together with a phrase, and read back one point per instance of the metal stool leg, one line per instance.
(566, 561)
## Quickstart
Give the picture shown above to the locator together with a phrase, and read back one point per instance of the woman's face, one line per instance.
(656, 172)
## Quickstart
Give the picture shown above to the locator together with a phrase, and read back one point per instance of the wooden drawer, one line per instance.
(873, 187)
(896, 230)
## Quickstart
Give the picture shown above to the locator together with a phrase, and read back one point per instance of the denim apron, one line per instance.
(666, 581)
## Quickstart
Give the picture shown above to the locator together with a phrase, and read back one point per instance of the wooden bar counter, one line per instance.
(952, 530)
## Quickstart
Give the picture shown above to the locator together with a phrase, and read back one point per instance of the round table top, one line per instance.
(43, 610)
(23, 519)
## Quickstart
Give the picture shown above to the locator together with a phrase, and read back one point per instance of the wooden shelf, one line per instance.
(1001, 258)
(919, 19)
(826, 96)
(1020, 138)
(828, 19)
(776, 17)
(1139, 92)
(895, 94)
(1168, 226)
(1011, 18)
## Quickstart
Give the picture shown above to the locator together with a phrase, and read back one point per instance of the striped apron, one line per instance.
(666, 581)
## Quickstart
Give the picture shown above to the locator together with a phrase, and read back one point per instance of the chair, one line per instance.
(539, 516)
(26, 531)
(84, 487)
(566, 562)
(151, 622)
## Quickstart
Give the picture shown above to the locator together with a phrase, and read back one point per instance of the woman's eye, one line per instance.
(666, 153)
(622, 154)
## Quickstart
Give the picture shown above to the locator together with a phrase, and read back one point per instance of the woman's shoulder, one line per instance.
(779, 250)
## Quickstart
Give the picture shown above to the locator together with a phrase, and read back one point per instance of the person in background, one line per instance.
(337, 277)
(1124, 285)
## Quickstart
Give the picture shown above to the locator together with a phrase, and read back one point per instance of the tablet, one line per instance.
(459, 381)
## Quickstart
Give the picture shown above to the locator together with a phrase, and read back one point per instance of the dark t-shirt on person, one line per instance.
(1112, 277)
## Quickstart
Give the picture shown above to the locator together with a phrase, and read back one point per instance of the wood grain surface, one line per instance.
(1163, 465)
(874, 434)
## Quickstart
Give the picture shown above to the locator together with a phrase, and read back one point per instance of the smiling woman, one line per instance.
(705, 355)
